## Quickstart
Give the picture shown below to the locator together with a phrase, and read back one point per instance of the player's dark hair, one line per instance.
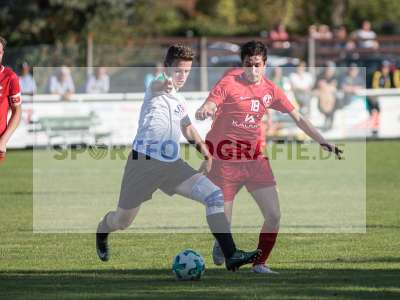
(178, 52)
(253, 48)
(3, 41)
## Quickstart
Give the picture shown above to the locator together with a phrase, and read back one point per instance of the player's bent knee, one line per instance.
(123, 221)
(123, 224)
(209, 194)
(273, 220)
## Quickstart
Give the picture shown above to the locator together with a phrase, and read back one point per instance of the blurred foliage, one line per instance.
(382, 14)
(118, 21)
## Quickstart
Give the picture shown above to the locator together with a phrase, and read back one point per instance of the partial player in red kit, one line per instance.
(10, 98)
(237, 104)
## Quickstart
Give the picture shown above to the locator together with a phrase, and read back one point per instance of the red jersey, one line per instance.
(235, 132)
(9, 94)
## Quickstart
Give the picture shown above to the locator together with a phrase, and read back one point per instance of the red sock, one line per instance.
(266, 242)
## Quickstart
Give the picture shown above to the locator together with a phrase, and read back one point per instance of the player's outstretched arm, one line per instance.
(12, 125)
(208, 109)
(194, 138)
(161, 85)
(313, 133)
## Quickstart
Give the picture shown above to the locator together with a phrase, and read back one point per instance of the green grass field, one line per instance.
(312, 266)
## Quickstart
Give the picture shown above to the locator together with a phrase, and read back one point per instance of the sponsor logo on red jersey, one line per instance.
(267, 100)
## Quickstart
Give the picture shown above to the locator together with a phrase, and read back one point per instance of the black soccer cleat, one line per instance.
(240, 258)
(102, 244)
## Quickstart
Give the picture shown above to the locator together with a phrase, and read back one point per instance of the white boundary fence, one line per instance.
(114, 117)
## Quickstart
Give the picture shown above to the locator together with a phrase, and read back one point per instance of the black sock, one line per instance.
(220, 228)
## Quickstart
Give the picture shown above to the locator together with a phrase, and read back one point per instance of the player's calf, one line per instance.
(112, 221)
(208, 193)
(272, 221)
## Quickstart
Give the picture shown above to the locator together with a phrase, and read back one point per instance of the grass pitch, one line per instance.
(312, 266)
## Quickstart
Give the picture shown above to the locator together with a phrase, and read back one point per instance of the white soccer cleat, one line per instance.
(263, 269)
(218, 255)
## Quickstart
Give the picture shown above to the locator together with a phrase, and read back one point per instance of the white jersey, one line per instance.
(159, 128)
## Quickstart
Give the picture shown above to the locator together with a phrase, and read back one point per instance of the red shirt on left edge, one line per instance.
(9, 94)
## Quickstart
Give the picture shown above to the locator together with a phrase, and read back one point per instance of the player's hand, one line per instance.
(2, 156)
(203, 113)
(334, 149)
(3, 150)
(206, 166)
(168, 85)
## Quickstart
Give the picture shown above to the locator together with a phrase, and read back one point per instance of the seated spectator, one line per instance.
(396, 78)
(326, 91)
(381, 79)
(324, 32)
(320, 32)
(365, 37)
(313, 31)
(278, 78)
(283, 82)
(302, 83)
(62, 84)
(159, 68)
(99, 82)
(385, 77)
(26, 81)
(342, 39)
(279, 37)
(351, 83)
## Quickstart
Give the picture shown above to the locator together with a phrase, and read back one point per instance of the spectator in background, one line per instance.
(320, 32)
(302, 83)
(270, 128)
(385, 77)
(159, 68)
(284, 83)
(313, 31)
(350, 84)
(62, 84)
(99, 82)
(396, 77)
(342, 39)
(324, 32)
(381, 79)
(279, 37)
(365, 37)
(278, 78)
(326, 86)
(26, 81)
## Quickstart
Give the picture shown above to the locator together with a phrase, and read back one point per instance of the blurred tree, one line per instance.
(113, 21)
(214, 17)
(377, 12)
(338, 12)
(263, 15)
(346, 12)
(310, 12)
(238, 16)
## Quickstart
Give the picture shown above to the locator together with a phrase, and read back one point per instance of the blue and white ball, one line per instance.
(188, 265)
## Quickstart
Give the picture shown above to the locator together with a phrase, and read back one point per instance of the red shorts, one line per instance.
(232, 176)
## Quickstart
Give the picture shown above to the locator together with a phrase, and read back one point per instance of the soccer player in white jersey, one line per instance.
(155, 163)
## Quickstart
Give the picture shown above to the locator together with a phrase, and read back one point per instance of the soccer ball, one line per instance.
(188, 265)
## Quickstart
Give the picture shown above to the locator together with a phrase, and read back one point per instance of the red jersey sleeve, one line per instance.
(281, 102)
(218, 93)
(14, 96)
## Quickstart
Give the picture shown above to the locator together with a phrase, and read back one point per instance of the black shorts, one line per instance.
(144, 175)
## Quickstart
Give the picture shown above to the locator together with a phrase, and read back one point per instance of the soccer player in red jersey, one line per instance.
(237, 104)
(10, 98)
